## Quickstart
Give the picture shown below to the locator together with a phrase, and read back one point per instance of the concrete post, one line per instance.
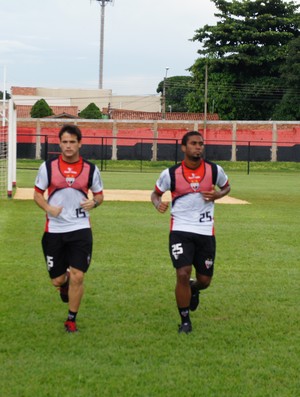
(38, 140)
(233, 143)
(154, 146)
(274, 142)
(114, 155)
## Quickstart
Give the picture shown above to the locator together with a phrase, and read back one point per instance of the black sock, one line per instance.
(72, 316)
(184, 314)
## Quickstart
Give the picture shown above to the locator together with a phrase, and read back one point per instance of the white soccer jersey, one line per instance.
(189, 211)
(73, 217)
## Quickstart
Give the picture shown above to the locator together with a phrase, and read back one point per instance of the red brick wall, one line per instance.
(23, 91)
(260, 134)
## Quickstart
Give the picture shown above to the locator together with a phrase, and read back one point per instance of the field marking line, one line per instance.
(125, 195)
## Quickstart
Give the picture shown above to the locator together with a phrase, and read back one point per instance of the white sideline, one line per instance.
(125, 195)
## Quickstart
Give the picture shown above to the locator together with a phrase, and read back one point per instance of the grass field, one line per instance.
(246, 334)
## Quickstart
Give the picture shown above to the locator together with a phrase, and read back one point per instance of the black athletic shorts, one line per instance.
(188, 249)
(62, 250)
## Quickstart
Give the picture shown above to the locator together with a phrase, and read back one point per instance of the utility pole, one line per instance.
(164, 95)
(101, 56)
(205, 98)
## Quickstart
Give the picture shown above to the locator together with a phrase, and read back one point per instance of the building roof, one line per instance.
(62, 115)
(121, 114)
(65, 111)
(23, 111)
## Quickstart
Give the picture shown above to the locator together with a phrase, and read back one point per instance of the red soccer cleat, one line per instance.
(70, 326)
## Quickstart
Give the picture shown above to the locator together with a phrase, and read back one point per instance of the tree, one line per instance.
(244, 52)
(7, 96)
(177, 88)
(289, 107)
(91, 112)
(219, 85)
(41, 109)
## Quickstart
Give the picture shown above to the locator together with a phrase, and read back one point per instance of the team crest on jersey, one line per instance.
(194, 180)
(195, 186)
(70, 180)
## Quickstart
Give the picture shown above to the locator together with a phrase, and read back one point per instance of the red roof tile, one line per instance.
(121, 114)
(23, 111)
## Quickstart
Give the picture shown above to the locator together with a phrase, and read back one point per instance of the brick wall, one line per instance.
(23, 91)
(225, 140)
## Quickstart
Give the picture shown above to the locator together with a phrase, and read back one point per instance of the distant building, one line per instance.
(67, 103)
(73, 101)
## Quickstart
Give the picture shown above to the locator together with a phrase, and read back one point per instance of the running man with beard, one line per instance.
(195, 184)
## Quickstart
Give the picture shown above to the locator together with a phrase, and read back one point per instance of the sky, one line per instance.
(56, 43)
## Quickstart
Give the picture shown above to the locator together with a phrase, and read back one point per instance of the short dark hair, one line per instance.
(71, 129)
(186, 136)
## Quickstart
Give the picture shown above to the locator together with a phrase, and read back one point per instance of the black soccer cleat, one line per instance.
(185, 328)
(195, 299)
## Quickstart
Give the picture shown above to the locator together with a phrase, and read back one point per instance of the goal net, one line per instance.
(3, 160)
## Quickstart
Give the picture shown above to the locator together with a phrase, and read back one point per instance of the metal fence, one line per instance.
(156, 149)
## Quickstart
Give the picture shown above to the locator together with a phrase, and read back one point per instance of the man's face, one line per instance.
(194, 149)
(69, 146)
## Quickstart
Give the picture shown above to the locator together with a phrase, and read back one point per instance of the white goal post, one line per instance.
(12, 148)
(3, 160)
(8, 150)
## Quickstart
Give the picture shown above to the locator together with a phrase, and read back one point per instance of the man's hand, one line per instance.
(87, 205)
(213, 194)
(54, 211)
(162, 206)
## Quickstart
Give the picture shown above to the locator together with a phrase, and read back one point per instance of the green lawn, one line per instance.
(245, 339)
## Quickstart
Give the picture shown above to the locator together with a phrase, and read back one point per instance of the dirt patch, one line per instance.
(126, 195)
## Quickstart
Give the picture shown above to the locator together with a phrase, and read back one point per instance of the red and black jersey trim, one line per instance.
(172, 176)
(174, 168)
(49, 170)
(214, 170)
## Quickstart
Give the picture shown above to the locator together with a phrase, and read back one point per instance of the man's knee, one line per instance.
(203, 281)
(184, 274)
(58, 281)
(76, 276)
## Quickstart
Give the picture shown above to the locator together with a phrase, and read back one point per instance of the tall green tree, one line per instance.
(244, 53)
(176, 89)
(41, 109)
(289, 107)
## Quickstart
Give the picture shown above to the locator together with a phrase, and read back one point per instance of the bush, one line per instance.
(41, 109)
(91, 112)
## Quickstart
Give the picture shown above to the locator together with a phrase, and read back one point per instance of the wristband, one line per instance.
(96, 203)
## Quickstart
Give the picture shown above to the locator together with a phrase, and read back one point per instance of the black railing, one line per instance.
(105, 149)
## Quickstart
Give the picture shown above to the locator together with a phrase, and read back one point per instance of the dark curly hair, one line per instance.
(186, 136)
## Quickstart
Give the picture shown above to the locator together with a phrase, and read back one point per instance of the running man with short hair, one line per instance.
(192, 243)
(67, 240)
